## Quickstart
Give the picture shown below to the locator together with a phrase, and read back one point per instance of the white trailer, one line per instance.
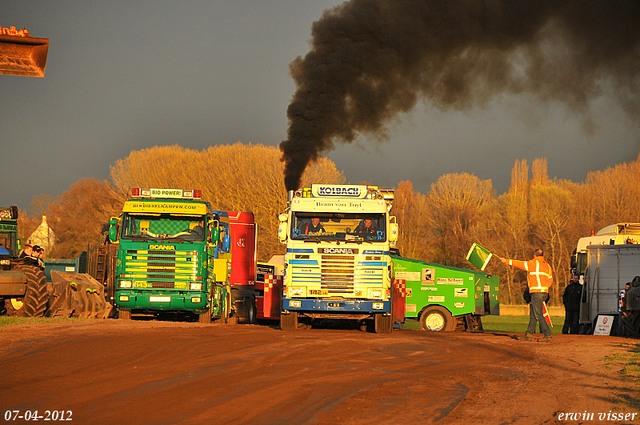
(608, 269)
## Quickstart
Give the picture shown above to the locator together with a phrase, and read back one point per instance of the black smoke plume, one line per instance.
(372, 59)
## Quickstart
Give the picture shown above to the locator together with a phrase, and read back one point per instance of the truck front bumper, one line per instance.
(336, 306)
(135, 300)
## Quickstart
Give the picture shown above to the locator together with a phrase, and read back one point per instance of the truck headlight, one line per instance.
(298, 292)
(295, 303)
(5, 262)
(125, 284)
(374, 293)
(196, 286)
(378, 306)
(124, 298)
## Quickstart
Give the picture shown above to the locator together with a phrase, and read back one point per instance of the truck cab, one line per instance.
(8, 236)
(614, 234)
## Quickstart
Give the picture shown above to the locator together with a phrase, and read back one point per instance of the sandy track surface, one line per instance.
(108, 372)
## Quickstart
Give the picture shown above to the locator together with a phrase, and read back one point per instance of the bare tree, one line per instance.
(410, 209)
(457, 203)
(77, 217)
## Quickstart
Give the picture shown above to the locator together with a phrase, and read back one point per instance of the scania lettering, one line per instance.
(337, 264)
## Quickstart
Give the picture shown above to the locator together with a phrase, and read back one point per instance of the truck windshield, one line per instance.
(162, 226)
(338, 227)
(8, 241)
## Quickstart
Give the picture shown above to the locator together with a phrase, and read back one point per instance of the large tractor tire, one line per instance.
(437, 319)
(34, 302)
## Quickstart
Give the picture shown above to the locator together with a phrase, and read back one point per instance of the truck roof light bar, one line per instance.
(138, 192)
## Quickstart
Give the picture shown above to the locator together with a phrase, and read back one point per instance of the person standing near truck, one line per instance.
(37, 255)
(527, 298)
(539, 280)
(571, 301)
(27, 251)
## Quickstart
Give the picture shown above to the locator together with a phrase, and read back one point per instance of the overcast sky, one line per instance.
(127, 75)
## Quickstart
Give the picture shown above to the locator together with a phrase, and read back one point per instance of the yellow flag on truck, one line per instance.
(479, 256)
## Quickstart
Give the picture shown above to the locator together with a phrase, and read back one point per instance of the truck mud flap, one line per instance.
(77, 295)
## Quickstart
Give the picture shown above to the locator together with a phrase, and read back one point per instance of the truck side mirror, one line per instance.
(215, 235)
(226, 243)
(282, 228)
(574, 260)
(393, 232)
(113, 229)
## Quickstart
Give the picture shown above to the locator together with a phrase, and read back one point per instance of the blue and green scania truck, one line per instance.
(342, 263)
(175, 254)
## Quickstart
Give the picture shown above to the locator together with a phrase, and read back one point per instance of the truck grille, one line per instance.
(163, 285)
(337, 273)
(161, 269)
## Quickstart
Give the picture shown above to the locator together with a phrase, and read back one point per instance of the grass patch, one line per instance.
(10, 321)
(627, 362)
(517, 324)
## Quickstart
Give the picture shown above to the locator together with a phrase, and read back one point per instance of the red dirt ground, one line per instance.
(139, 372)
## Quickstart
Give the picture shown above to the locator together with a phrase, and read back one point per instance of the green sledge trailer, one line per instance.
(444, 297)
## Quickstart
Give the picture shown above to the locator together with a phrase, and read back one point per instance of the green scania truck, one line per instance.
(174, 255)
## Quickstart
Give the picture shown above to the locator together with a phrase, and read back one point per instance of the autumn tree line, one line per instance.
(437, 227)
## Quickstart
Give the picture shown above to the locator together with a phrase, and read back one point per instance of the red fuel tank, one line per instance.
(243, 248)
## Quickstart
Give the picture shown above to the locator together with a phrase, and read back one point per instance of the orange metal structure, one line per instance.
(21, 54)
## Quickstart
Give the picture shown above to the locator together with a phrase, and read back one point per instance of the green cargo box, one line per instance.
(460, 291)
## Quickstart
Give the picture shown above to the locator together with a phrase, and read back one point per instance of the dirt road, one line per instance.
(108, 372)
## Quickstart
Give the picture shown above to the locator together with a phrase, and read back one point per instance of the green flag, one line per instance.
(479, 256)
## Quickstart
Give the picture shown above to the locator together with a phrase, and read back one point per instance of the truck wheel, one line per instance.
(247, 310)
(124, 314)
(437, 319)
(365, 325)
(204, 318)
(383, 324)
(34, 302)
(289, 322)
(631, 320)
(251, 310)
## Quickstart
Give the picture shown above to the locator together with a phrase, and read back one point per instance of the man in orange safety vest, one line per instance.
(539, 279)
